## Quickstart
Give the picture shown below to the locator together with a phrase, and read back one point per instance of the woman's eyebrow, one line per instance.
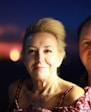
(48, 46)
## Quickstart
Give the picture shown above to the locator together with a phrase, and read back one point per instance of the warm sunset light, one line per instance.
(14, 55)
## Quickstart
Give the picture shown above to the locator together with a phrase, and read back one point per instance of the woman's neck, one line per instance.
(45, 87)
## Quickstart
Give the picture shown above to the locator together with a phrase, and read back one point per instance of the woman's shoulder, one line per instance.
(74, 94)
(12, 90)
(77, 91)
(16, 88)
(75, 87)
(18, 84)
(13, 86)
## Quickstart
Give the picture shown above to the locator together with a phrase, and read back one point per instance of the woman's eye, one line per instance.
(31, 51)
(86, 44)
(48, 51)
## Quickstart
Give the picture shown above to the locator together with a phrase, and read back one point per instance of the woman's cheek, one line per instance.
(53, 59)
(82, 54)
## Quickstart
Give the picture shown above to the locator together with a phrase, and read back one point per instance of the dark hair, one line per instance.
(86, 21)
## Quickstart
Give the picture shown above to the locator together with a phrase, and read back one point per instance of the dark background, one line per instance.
(16, 15)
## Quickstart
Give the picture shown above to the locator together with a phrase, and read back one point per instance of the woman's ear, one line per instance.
(61, 58)
(60, 62)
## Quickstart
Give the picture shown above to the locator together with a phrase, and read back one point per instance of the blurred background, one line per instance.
(16, 15)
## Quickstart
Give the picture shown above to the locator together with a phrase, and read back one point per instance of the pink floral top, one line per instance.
(83, 104)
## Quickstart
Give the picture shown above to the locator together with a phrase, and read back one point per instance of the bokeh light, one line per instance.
(14, 55)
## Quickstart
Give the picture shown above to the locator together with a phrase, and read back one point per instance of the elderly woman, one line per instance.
(43, 52)
(84, 43)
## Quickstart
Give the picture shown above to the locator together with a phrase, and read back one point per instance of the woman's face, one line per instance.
(85, 46)
(41, 56)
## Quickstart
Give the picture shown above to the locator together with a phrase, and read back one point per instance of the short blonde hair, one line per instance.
(49, 25)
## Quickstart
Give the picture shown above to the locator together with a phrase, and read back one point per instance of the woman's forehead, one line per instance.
(42, 39)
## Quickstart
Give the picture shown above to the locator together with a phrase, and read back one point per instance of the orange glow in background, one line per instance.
(14, 55)
(10, 51)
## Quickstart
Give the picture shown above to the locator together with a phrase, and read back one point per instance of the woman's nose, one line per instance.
(39, 56)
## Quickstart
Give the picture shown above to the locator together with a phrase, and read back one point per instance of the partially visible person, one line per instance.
(43, 52)
(84, 42)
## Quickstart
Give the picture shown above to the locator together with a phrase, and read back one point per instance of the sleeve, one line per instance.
(84, 102)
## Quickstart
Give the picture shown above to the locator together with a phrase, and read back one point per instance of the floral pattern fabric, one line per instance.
(83, 104)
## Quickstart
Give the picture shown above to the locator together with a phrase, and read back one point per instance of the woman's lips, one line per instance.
(39, 67)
